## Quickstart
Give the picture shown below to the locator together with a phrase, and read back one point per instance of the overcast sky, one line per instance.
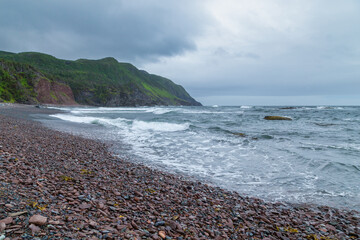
(228, 52)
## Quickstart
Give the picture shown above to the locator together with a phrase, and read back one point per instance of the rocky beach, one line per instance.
(54, 185)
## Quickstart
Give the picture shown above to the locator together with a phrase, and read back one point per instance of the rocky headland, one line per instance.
(32, 77)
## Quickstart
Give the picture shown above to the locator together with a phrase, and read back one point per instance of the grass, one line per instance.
(103, 78)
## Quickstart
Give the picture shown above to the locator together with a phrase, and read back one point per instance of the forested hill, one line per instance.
(104, 82)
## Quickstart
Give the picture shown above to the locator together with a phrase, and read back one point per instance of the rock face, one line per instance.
(23, 83)
(277, 118)
(54, 93)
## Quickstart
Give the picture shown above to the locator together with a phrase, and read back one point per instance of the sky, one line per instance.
(228, 52)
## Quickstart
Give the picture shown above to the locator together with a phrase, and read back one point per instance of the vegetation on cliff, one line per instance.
(22, 83)
(104, 82)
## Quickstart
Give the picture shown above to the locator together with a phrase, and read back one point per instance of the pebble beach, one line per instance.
(54, 185)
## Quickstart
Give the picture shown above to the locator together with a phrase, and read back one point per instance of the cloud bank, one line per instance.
(141, 30)
(222, 52)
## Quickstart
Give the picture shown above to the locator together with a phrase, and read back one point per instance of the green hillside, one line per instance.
(17, 82)
(105, 82)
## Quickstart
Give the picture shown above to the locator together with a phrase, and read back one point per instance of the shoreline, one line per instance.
(87, 193)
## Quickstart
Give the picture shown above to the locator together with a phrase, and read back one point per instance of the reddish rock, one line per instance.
(34, 229)
(93, 223)
(85, 206)
(7, 220)
(54, 92)
(38, 220)
(2, 227)
(162, 234)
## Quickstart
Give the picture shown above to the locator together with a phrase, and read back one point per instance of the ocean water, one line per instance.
(313, 159)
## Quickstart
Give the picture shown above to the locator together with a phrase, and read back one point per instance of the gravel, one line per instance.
(75, 188)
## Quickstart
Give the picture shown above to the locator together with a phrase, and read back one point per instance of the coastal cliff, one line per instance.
(22, 83)
(104, 82)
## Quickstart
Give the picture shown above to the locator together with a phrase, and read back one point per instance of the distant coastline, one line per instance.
(33, 78)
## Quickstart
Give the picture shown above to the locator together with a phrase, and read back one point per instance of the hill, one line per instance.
(104, 82)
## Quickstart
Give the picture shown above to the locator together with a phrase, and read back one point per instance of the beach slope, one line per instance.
(58, 186)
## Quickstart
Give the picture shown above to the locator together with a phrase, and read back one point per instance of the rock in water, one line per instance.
(277, 118)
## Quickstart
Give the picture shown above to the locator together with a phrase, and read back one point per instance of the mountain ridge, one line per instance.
(103, 82)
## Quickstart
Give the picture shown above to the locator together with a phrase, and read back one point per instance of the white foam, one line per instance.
(159, 111)
(118, 122)
(75, 119)
(159, 126)
(246, 107)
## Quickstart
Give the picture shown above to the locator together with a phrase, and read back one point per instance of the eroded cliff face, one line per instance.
(23, 83)
(54, 93)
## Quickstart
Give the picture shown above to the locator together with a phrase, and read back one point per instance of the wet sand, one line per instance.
(54, 185)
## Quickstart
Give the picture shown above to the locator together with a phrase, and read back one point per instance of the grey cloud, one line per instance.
(127, 30)
(222, 52)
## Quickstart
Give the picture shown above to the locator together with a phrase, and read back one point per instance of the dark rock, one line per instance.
(277, 118)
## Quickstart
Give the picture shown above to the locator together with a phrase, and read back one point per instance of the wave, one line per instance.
(210, 112)
(159, 111)
(117, 122)
(159, 126)
(76, 119)
(246, 107)
(337, 166)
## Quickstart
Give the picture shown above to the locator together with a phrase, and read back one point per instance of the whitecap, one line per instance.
(75, 119)
(159, 111)
(118, 122)
(246, 107)
(159, 126)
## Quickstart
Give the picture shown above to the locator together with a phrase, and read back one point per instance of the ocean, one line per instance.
(315, 158)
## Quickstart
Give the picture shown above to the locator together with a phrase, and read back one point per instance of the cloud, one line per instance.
(213, 48)
(272, 48)
(128, 30)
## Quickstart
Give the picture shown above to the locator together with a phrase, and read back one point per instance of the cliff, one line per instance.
(104, 82)
(22, 83)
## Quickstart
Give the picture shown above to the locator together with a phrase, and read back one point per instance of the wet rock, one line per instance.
(277, 118)
(239, 134)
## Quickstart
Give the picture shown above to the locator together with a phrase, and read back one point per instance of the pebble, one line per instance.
(120, 199)
(38, 220)
(160, 223)
(7, 220)
(2, 227)
(34, 229)
(162, 234)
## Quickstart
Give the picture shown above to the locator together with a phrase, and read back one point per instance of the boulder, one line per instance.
(239, 134)
(277, 118)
